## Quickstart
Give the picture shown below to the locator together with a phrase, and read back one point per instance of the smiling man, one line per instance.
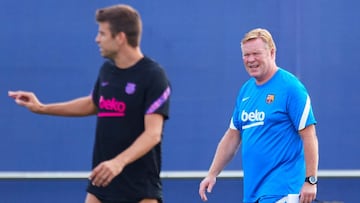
(274, 124)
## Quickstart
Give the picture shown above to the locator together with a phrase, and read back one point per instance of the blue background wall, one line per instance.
(48, 47)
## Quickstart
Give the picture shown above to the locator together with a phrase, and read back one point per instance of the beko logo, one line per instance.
(252, 116)
(114, 107)
(256, 118)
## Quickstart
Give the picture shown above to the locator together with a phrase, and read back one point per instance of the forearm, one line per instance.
(311, 157)
(226, 149)
(150, 137)
(138, 149)
(311, 150)
(78, 107)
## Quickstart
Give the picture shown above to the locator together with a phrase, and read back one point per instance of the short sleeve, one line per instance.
(158, 93)
(299, 107)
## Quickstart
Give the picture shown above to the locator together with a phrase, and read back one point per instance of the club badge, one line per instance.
(270, 98)
(130, 88)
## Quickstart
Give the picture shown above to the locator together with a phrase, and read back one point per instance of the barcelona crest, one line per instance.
(130, 88)
(270, 98)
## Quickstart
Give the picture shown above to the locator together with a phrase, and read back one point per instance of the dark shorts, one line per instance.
(103, 200)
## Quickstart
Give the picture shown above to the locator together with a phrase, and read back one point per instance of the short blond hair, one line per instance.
(262, 34)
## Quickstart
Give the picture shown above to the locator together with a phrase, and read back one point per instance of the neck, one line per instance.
(129, 57)
(269, 75)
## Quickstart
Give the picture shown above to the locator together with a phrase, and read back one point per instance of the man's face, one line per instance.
(107, 43)
(258, 59)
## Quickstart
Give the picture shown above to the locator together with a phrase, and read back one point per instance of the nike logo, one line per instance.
(103, 84)
(245, 98)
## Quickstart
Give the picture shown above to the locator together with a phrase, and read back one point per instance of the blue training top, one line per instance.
(269, 117)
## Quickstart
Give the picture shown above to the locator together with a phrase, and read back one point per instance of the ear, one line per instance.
(121, 38)
(272, 53)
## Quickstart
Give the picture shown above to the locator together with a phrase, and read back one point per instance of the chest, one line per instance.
(121, 91)
(262, 106)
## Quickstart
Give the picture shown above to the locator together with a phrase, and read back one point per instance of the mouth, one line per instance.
(253, 66)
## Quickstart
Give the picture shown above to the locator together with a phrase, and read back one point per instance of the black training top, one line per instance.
(123, 98)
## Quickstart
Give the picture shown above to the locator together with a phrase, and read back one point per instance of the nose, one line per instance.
(97, 39)
(250, 58)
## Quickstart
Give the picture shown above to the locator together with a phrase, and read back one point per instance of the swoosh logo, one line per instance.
(245, 98)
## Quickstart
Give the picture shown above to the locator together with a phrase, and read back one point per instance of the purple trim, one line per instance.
(164, 97)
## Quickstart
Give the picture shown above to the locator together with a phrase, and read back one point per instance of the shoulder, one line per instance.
(288, 78)
(151, 63)
(152, 67)
(292, 86)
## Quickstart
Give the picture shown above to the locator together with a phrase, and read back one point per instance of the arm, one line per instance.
(82, 106)
(311, 150)
(225, 151)
(103, 174)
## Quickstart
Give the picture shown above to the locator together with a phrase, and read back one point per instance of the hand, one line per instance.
(105, 172)
(26, 99)
(206, 185)
(308, 193)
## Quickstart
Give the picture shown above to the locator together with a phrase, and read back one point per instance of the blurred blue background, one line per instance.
(49, 47)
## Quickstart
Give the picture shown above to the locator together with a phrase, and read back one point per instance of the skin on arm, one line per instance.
(311, 150)
(226, 149)
(82, 106)
(104, 173)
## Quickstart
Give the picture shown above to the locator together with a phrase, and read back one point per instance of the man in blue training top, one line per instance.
(274, 123)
